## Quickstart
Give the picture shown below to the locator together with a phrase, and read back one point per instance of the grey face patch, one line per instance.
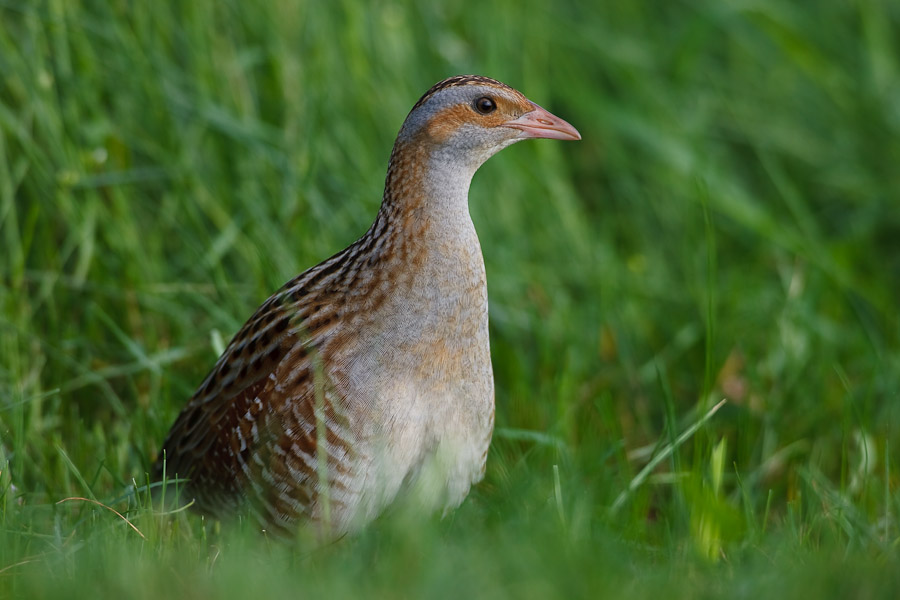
(447, 96)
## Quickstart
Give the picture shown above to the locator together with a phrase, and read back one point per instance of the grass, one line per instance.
(727, 229)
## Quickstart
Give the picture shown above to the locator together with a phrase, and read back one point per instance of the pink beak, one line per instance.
(539, 123)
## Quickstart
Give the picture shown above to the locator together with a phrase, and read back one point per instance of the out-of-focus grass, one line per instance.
(728, 228)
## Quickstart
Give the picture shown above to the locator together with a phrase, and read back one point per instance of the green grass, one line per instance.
(728, 228)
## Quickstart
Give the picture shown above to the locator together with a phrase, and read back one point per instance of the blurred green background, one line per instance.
(729, 227)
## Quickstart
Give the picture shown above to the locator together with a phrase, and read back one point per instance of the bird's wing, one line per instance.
(252, 427)
(214, 432)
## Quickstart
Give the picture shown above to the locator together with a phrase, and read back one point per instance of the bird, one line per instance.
(369, 374)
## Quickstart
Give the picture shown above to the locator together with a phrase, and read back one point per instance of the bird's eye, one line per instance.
(485, 105)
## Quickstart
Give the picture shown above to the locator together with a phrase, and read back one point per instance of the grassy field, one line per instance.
(729, 228)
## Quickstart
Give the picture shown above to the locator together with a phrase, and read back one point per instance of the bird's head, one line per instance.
(468, 118)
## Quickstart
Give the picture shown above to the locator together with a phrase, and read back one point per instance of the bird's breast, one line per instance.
(419, 383)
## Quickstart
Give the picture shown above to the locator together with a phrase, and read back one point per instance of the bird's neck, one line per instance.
(425, 238)
(427, 195)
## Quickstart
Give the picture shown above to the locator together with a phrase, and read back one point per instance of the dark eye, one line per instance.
(485, 105)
